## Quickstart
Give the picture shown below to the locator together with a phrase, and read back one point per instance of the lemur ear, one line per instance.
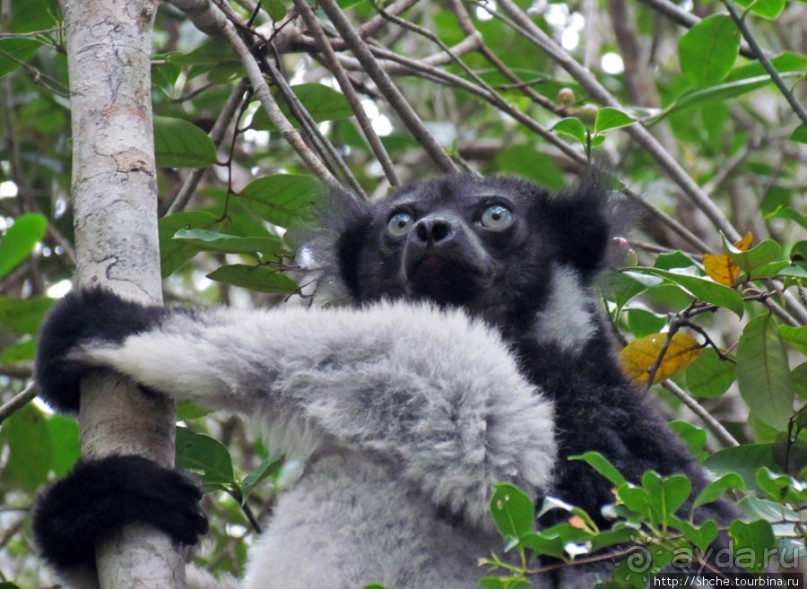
(586, 219)
(330, 249)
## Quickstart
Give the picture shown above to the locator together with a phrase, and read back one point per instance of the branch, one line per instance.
(18, 401)
(208, 18)
(114, 199)
(686, 19)
(385, 84)
(366, 126)
(714, 425)
(525, 26)
(766, 63)
(216, 135)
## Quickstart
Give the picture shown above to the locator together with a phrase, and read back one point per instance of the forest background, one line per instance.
(699, 107)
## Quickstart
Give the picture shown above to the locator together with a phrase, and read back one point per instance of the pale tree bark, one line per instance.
(114, 197)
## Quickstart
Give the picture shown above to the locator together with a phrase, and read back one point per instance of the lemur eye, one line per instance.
(400, 224)
(497, 217)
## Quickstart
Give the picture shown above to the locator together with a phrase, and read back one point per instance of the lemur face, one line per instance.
(457, 241)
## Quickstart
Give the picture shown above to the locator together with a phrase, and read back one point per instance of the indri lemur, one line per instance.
(470, 351)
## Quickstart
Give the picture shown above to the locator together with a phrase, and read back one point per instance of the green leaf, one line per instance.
(525, 161)
(754, 508)
(702, 288)
(787, 212)
(800, 134)
(714, 490)
(23, 350)
(673, 260)
(795, 337)
(174, 252)
(213, 52)
(20, 239)
(16, 51)
(269, 466)
(64, 445)
(701, 536)
(786, 62)
(205, 456)
(642, 322)
(757, 257)
(571, 126)
(769, 9)
(322, 103)
(709, 49)
(611, 118)
(214, 241)
(625, 535)
(635, 498)
(798, 254)
(29, 16)
(281, 199)
(276, 9)
(542, 545)
(694, 437)
(181, 144)
(29, 453)
(710, 376)
(602, 465)
(743, 460)
(665, 495)
(753, 542)
(188, 410)
(23, 315)
(626, 285)
(513, 511)
(763, 374)
(720, 92)
(800, 380)
(258, 278)
(777, 486)
(504, 583)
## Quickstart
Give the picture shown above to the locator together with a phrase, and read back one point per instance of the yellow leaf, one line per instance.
(639, 357)
(720, 268)
(745, 242)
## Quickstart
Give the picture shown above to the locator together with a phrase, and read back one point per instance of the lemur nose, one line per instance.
(434, 230)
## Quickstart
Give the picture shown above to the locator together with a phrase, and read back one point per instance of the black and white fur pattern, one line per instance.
(472, 314)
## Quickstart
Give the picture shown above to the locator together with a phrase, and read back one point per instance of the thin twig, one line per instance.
(209, 18)
(720, 432)
(686, 19)
(765, 62)
(18, 401)
(387, 87)
(216, 135)
(490, 95)
(519, 20)
(366, 126)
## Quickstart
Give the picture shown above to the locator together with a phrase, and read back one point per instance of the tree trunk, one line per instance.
(114, 197)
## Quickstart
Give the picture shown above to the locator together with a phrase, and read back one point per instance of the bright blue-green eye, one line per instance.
(400, 224)
(497, 217)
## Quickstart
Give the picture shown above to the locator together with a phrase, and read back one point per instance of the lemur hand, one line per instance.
(100, 496)
(88, 315)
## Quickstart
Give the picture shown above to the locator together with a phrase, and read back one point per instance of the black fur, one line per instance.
(81, 317)
(120, 490)
(450, 255)
(506, 283)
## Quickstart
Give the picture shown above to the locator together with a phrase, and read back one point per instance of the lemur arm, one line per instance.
(430, 390)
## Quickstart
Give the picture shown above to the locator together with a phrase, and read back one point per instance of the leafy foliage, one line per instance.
(709, 136)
